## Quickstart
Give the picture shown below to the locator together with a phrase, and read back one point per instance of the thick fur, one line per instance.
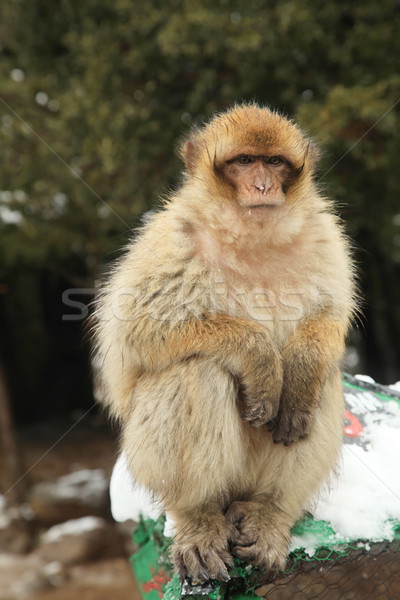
(220, 334)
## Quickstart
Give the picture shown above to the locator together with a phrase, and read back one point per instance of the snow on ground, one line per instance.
(363, 502)
(86, 485)
(72, 527)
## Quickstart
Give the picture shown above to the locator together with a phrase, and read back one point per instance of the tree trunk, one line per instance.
(14, 483)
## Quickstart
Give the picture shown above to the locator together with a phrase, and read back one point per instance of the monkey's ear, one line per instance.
(313, 153)
(188, 155)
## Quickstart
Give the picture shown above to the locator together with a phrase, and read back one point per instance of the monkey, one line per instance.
(221, 332)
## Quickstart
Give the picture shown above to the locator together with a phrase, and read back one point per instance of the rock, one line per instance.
(29, 577)
(55, 573)
(81, 540)
(16, 534)
(72, 496)
(30, 583)
(39, 579)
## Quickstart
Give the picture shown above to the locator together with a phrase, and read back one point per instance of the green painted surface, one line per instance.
(150, 563)
(144, 564)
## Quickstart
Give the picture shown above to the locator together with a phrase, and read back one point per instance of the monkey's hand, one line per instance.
(260, 391)
(301, 393)
(292, 423)
(307, 359)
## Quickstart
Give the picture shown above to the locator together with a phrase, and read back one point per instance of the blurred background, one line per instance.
(94, 97)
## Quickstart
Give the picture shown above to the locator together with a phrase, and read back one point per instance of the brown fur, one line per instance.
(220, 334)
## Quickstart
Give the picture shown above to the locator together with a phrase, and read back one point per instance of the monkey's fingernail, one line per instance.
(223, 575)
(204, 576)
(229, 561)
(277, 441)
(182, 573)
(287, 443)
(180, 567)
(245, 543)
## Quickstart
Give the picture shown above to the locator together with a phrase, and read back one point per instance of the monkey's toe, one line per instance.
(256, 536)
(200, 563)
(245, 524)
(263, 556)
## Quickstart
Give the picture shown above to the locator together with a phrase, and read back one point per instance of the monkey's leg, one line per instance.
(308, 358)
(288, 478)
(186, 442)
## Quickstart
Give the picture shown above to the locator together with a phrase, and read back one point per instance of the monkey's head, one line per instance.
(251, 157)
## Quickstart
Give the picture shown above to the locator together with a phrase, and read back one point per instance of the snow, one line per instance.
(365, 378)
(17, 75)
(128, 499)
(87, 485)
(59, 203)
(72, 527)
(9, 216)
(367, 493)
(363, 501)
(41, 98)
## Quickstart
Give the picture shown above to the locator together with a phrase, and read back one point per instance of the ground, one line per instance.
(91, 444)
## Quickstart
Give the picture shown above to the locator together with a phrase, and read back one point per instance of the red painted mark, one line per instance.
(352, 427)
(157, 583)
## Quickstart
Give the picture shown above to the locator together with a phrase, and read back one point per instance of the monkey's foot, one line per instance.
(200, 550)
(260, 535)
(291, 424)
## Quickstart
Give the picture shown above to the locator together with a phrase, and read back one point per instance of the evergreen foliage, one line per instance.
(95, 94)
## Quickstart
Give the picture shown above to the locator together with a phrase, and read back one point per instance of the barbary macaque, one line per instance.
(220, 334)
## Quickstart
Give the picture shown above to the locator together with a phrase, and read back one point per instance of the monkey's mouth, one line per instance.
(260, 205)
(265, 205)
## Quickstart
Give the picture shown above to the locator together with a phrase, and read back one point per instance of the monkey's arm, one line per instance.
(314, 350)
(243, 347)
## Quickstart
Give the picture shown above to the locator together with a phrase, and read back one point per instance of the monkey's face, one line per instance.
(251, 159)
(259, 181)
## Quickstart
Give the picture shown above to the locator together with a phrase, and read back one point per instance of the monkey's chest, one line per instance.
(279, 305)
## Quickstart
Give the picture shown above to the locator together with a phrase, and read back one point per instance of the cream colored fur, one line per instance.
(209, 298)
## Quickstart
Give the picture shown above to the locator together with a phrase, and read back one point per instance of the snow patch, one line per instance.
(9, 216)
(72, 527)
(363, 502)
(395, 386)
(86, 484)
(128, 499)
(365, 378)
(367, 494)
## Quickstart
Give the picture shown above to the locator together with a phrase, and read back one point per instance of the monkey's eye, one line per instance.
(275, 160)
(244, 159)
